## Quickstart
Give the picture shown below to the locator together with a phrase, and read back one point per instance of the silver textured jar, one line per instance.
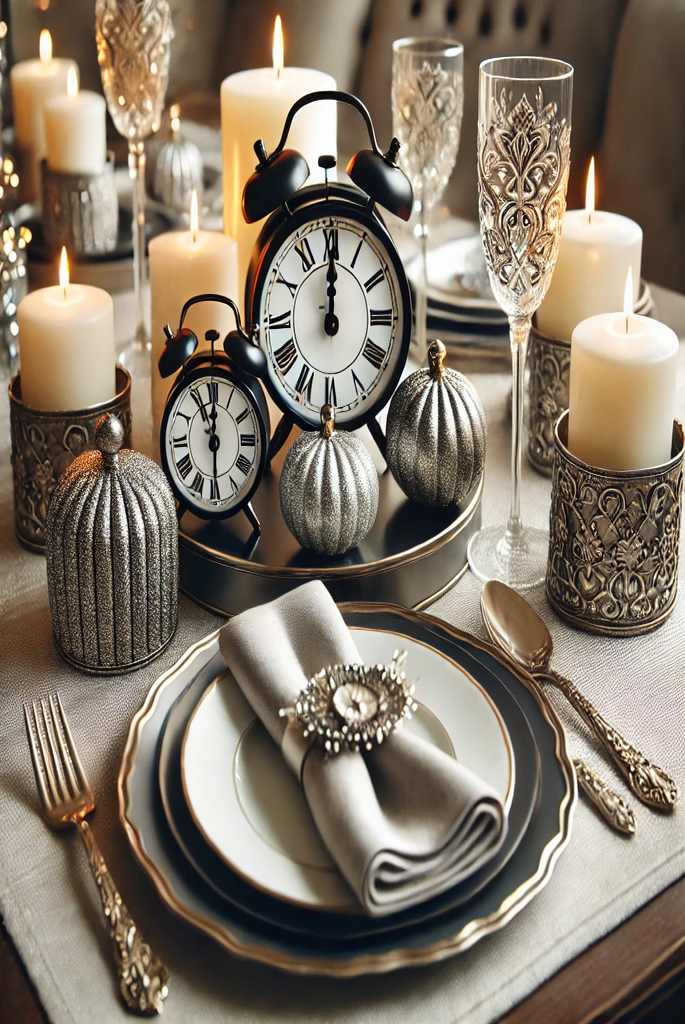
(329, 489)
(436, 434)
(80, 211)
(112, 557)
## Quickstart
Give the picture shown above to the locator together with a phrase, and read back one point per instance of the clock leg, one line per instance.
(281, 434)
(252, 519)
(377, 434)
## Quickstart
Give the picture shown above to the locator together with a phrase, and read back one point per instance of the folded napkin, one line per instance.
(404, 821)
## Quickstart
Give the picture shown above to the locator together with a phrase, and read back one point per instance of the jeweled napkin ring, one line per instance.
(353, 707)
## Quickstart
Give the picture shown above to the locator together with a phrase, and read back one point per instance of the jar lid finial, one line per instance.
(437, 353)
(109, 436)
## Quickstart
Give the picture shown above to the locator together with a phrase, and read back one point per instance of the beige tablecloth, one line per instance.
(49, 902)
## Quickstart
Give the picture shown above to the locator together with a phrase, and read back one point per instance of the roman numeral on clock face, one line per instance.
(243, 464)
(304, 382)
(241, 416)
(197, 483)
(248, 441)
(286, 357)
(304, 251)
(375, 279)
(214, 494)
(198, 402)
(380, 317)
(180, 442)
(280, 322)
(359, 388)
(184, 466)
(292, 288)
(331, 396)
(331, 239)
(213, 392)
(374, 353)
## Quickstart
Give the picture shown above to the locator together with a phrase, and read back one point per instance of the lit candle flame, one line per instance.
(194, 216)
(590, 190)
(64, 271)
(277, 50)
(628, 300)
(45, 46)
(72, 81)
(175, 117)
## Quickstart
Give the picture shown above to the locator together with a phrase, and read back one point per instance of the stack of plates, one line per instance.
(462, 311)
(223, 830)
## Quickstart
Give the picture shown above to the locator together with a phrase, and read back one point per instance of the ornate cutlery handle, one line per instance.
(650, 784)
(143, 979)
(613, 808)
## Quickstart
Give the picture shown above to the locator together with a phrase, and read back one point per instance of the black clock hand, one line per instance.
(331, 323)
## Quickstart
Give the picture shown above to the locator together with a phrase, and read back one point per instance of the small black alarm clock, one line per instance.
(327, 299)
(214, 436)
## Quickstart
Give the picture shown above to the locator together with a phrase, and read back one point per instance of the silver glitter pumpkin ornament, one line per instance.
(112, 557)
(329, 489)
(174, 168)
(436, 434)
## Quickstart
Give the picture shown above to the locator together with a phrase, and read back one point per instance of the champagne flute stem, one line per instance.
(136, 170)
(422, 286)
(519, 331)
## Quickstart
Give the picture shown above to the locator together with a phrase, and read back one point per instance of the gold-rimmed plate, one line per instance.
(526, 873)
(254, 815)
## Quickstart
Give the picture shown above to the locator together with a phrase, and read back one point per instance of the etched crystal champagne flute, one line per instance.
(524, 143)
(427, 107)
(133, 46)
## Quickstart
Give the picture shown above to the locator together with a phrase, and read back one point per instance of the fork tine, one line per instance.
(36, 760)
(65, 753)
(45, 760)
(81, 775)
(52, 743)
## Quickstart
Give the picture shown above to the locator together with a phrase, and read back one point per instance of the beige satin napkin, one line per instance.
(403, 822)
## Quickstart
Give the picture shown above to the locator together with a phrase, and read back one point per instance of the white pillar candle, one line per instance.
(622, 390)
(254, 105)
(75, 131)
(66, 341)
(183, 264)
(34, 82)
(596, 252)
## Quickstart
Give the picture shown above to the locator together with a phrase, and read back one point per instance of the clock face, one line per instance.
(332, 316)
(213, 443)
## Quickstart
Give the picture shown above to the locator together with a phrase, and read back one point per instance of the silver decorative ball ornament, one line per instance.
(329, 489)
(436, 434)
(174, 169)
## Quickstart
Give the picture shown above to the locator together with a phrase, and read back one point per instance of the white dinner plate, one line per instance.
(254, 814)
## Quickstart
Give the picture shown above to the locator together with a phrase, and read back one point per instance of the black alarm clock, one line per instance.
(327, 299)
(214, 436)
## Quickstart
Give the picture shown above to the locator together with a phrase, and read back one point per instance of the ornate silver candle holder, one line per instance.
(80, 211)
(614, 541)
(44, 444)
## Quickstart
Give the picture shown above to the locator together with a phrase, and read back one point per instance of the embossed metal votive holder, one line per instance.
(613, 541)
(44, 444)
(549, 362)
(80, 211)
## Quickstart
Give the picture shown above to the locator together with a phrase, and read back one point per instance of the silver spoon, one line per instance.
(518, 629)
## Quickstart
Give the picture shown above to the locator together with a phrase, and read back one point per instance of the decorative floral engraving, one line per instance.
(133, 43)
(549, 363)
(523, 165)
(651, 784)
(143, 979)
(428, 102)
(613, 554)
(609, 804)
(43, 446)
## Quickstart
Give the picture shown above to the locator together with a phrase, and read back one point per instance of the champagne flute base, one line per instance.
(517, 558)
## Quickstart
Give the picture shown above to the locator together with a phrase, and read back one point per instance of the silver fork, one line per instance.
(67, 800)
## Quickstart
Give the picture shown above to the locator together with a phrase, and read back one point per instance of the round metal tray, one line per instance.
(412, 555)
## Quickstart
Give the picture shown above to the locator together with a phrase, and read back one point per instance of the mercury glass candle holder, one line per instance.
(80, 211)
(614, 541)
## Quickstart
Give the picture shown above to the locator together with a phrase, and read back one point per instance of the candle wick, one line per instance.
(589, 217)
(627, 324)
(278, 73)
